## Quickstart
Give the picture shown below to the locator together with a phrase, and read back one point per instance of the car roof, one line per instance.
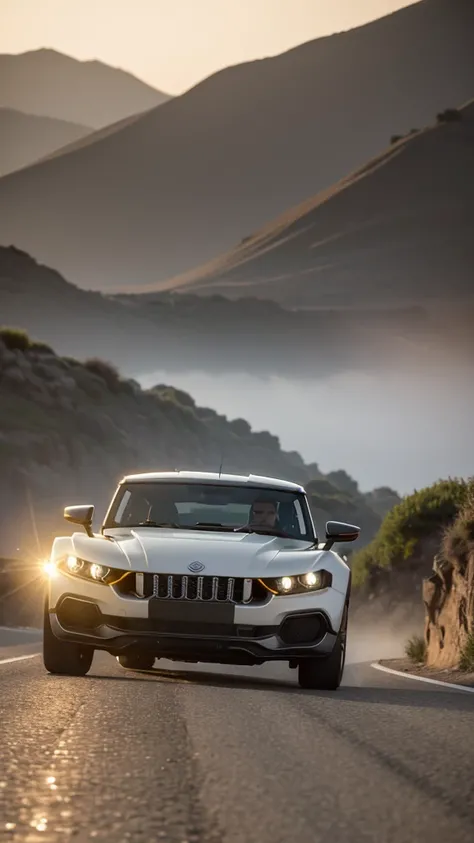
(213, 477)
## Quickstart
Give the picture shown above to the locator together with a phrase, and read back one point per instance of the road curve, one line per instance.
(212, 755)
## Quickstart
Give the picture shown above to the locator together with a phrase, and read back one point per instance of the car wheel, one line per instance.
(136, 661)
(325, 673)
(64, 657)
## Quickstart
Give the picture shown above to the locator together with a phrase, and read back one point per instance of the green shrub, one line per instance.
(15, 339)
(466, 661)
(106, 371)
(415, 649)
(41, 348)
(449, 115)
(424, 514)
(178, 396)
(458, 542)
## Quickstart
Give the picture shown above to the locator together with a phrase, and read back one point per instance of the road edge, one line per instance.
(407, 675)
(12, 659)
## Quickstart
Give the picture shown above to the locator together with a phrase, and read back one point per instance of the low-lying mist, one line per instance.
(402, 427)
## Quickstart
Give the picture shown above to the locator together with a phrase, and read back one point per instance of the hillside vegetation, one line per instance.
(402, 551)
(69, 431)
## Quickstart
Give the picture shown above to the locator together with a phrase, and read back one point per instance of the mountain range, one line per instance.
(143, 333)
(182, 183)
(50, 84)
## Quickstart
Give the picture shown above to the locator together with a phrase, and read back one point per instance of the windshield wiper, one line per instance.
(149, 523)
(200, 525)
(210, 525)
(265, 531)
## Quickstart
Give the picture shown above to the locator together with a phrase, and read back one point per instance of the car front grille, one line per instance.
(220, 589)
(236, 590)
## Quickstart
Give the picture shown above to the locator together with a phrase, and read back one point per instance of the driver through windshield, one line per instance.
(215, 507)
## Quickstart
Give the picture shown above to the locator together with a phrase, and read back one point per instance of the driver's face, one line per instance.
(263, 514)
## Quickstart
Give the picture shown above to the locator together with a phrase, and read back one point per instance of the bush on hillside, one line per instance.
(178, 396)
(15, 339)
(106, 371)
(466, 661)
(458, 541)
(41, 348)
(449, 115)
(415, 649)
(423, 515)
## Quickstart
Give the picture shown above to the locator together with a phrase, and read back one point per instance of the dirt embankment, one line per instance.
(445, 650)
(448, 596)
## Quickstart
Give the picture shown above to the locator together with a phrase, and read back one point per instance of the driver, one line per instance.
(263, 513)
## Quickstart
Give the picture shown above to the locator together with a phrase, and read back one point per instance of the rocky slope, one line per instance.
(448, 596)
(190, 179)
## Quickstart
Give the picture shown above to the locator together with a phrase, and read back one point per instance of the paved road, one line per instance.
(210, 756)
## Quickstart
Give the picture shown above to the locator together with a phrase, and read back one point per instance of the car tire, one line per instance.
(136, 661)
(64, 657)
(325, 673)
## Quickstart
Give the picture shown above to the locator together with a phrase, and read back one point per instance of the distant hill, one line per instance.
(192, 178)
(397, 232)
(25, 138)
(47, 83)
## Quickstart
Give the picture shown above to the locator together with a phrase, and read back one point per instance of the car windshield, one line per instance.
(201, 506)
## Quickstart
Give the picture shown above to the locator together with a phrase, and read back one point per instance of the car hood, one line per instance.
(172, 551)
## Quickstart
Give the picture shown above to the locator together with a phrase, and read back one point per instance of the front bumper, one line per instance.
(281, 628)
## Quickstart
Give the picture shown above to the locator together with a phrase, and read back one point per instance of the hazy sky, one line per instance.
(172, 44)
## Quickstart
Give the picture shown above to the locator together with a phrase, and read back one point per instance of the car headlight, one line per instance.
(91, 571)
(298, 584)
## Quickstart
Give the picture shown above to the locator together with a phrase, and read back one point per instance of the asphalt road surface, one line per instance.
(211, 754)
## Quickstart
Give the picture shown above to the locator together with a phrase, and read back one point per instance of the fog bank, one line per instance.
(404, 429)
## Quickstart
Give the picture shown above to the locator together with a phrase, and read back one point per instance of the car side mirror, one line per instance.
(338, 531)
(81, 515)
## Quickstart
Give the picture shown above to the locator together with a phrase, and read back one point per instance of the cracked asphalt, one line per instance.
(207, 754)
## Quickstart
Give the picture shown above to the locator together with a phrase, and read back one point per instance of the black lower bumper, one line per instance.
(80, 620)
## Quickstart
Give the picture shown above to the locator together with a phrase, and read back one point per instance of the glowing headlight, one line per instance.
(74, 564)
(50, 569)
(286, 583)
(91, 571)
(300, 584)
(311, 580)
(98, 572)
